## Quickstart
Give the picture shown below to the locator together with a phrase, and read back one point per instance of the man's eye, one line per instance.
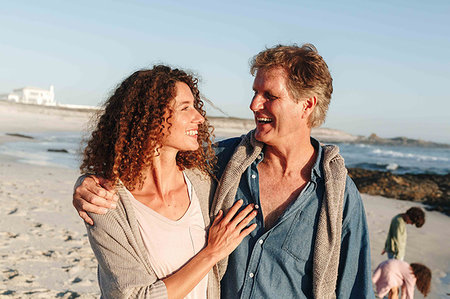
(185, 108)
(271, 97)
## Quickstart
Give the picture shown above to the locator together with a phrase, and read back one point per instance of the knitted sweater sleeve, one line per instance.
(122, 271)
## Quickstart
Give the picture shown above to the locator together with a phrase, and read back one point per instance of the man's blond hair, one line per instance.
(307, 75)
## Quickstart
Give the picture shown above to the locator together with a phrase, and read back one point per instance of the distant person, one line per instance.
(393, 274)
(395, 245)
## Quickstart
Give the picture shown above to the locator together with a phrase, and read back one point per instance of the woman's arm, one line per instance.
(122, 268)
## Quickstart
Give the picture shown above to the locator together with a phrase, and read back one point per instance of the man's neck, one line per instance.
(288, 159)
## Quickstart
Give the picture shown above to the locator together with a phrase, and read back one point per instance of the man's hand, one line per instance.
(95, 195)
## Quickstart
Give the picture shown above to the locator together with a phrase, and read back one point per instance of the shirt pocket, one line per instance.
(299, 239)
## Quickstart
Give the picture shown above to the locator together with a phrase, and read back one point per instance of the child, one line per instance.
(391, 274)
(395, 245)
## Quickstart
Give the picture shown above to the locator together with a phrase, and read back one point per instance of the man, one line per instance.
(312, 238)
(395, 245)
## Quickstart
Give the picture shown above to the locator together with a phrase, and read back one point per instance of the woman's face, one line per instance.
(183, 132)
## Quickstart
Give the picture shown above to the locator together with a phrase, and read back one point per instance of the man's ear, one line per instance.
(308, 106)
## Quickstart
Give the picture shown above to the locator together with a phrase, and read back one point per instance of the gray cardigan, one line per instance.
(123, 267)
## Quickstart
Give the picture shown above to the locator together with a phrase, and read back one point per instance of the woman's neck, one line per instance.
(164, 189)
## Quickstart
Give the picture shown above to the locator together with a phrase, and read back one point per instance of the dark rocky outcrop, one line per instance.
(430, 189)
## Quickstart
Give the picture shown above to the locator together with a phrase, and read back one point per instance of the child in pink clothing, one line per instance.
(391, 274)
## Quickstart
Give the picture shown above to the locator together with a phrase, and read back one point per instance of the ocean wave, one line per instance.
(362, 145)
(418, 157)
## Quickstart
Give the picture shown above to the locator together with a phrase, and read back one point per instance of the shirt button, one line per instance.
(253, 176)
(256, 207)
(251, 275)
(260, 241)
(259, 157)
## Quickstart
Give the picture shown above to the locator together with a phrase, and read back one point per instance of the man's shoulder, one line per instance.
(353, 205)
(227, 144)
(224, 149)
(351, 193)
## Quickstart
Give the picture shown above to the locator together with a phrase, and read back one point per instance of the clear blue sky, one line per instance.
(390, 60)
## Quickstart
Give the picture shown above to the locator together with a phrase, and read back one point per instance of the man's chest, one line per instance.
(276, 194)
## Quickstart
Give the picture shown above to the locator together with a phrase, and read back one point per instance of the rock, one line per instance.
(430, 189)
(57, 150)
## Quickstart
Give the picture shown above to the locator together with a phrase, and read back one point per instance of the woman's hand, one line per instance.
(227, 232)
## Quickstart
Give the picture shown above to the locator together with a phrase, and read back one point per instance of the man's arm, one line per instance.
(354, 274)
(93, 194)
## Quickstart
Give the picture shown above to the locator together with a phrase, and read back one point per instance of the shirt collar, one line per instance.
(316, 171)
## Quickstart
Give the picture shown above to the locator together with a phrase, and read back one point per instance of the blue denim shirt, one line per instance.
(278, 263)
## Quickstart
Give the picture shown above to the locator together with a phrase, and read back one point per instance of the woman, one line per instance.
(393, 274)
(148, 141)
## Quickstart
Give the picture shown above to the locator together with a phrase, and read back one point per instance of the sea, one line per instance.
(396, 159)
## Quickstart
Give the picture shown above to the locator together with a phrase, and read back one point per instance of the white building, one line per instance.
(31, 95)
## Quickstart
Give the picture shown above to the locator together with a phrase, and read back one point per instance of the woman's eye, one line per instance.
(185, 108)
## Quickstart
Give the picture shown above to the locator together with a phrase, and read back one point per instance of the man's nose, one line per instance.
(257, 103)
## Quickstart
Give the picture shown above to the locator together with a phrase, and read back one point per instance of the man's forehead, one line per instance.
(273, 71)
(274, 77)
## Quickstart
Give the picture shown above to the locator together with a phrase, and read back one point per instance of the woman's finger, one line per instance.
(237, 205)
(246, 221)
(246, 232)
(218, 218)
(242, 214)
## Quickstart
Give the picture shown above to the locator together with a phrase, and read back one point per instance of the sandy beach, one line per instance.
(43, 245)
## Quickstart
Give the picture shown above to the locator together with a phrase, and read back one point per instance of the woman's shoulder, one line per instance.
(198, 178)
(118, 217)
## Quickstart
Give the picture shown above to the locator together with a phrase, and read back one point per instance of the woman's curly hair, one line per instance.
(423, 277)
(130, 129)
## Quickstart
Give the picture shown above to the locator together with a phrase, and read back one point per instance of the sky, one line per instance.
(390, 60)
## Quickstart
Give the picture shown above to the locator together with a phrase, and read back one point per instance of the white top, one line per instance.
(170, 244)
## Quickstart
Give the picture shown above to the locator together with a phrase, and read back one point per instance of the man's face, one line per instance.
(277, 115)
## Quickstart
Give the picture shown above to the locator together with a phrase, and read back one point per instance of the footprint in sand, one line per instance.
(8, 292)
(13, 211)
(68, 295)
(76, 280)
(11, 273)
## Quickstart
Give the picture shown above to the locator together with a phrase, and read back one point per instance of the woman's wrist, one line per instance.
(211, 255)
